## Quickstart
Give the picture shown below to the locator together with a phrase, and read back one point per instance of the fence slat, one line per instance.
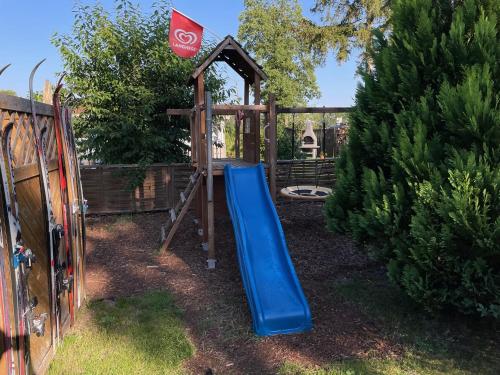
(108, 187)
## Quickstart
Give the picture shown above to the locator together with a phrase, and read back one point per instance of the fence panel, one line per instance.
(108, 188)
(305, 172)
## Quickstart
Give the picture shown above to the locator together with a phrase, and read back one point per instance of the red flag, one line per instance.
(185, 35)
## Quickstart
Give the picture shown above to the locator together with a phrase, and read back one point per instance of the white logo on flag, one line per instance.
(185, 37)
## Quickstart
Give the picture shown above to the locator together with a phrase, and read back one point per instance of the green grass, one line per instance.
(135, 335)
(432, 345)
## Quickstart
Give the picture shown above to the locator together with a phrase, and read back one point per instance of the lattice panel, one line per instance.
(23, 138)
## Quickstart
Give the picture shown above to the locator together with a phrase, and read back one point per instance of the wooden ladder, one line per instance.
(179, 211)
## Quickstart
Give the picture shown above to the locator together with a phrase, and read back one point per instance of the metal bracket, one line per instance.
(67, 284)
(38, 324)
(23, 255)
(85, 206)
(211, 264)
(200, 232)
(204, 246)
(266, 138)
(163, 235)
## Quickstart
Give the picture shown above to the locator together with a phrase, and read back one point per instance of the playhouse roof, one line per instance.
(232, 53)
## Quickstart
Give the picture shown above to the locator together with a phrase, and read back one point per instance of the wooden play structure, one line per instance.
(206, 185)
(43, 232)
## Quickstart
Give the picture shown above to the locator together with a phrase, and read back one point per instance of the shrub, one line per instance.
(418, 184)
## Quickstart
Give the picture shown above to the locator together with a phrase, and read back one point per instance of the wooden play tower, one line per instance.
(207, 180)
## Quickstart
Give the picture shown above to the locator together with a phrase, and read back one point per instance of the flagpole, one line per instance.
(206, 28)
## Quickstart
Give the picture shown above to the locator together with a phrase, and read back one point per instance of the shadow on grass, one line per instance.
(132, 335)
(431, 344)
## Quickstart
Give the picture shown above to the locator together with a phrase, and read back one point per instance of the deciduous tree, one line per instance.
(123, 76)
(271, 30)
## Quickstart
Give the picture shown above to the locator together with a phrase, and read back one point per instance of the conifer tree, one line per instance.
(418, 184)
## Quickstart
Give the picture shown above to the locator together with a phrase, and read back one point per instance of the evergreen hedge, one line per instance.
(418, 184)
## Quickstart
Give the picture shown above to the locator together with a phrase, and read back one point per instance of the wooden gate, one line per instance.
(33, 218)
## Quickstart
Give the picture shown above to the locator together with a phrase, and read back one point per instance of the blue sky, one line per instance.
(30, 24)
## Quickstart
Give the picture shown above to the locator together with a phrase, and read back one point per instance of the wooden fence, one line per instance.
(305, 172)
(108, 188)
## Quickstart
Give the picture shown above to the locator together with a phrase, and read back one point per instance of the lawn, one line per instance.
(134, 335)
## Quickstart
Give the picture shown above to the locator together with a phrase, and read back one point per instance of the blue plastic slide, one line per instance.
(276, 299)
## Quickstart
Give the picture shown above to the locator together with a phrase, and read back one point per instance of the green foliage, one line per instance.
(272, 31)
(8, 92)
(346, 25)
(419, 180)
(284, 146)
(123, 75)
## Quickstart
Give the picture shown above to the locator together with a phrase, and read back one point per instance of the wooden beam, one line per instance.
(194, 156)
(237, 123)
(200, 95)
(246, 94)
(47, 92)
(180, 111)
(256, 68)
(314, 109)
(256, 100)
(272, 146)
(183, 212)
(240, 107)
(210, 59)
(218, 109)
(16, 104)
(228, 44)
(245, 136)
(210, 184)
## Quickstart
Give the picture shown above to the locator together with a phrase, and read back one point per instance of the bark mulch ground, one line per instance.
(122, 261)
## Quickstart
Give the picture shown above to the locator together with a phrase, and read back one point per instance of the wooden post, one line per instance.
(202, 154)
(210, 183)
(194, 157)
(237, 122)
(200, 93)
(47, 92)
(246, 93)
(246, 136)
(266, 138)
(272, 146)
(256, 100)
(199, 125)
(204, 141)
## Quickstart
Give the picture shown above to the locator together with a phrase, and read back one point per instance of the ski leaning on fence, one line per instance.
(55, 231)
(179, 211)
(65, 271)
(78, 205)
(23, 259)
(11, 279)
